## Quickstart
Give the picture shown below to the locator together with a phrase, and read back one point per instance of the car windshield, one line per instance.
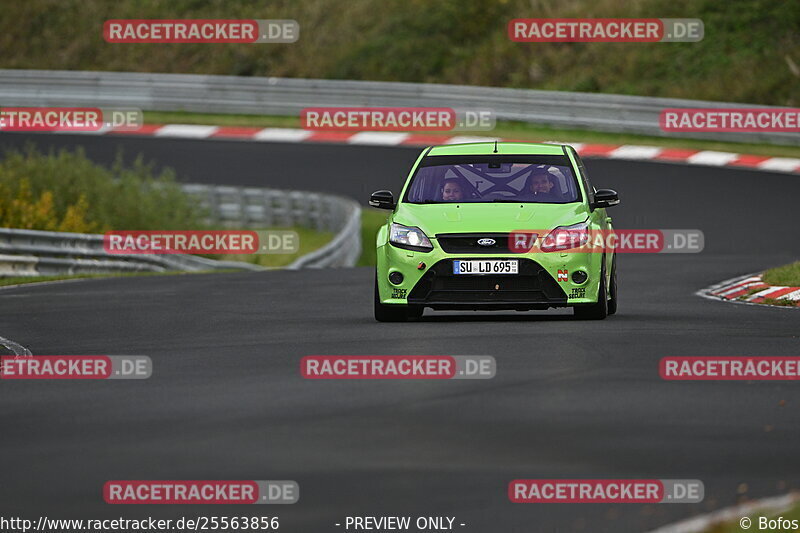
(487, 179)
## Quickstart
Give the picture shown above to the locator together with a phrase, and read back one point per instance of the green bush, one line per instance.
(65, 191)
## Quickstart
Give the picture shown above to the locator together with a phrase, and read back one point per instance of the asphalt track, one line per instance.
(570, 400)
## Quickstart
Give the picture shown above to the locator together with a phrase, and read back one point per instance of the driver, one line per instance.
(453, 190)
(541, 187)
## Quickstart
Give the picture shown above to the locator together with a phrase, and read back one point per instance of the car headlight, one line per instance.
(566, 238)
(410, 238)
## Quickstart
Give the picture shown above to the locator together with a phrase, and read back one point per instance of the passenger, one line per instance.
(452, 190)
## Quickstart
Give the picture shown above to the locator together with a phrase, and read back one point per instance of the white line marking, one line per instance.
(784, 164)
(707, 157)
(104, 128)
(458, 139)
(190, 131)
(631, 151)
(578, 146)
(282, 135)
(390, 138)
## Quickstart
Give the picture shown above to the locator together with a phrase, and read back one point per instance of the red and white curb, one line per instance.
(704, 523)
(385, 138)
(735, 289)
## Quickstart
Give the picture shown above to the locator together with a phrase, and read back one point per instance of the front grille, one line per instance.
(533, 285)
(467, 243)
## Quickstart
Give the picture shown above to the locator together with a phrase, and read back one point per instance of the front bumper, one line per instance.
(544, 280)
(439, 288)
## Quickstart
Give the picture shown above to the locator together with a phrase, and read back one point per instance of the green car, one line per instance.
(493, 226)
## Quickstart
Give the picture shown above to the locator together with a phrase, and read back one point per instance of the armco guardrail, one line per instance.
(44, 253)
(343, 250)
(250, 207)
(287, 96)
(41, 253)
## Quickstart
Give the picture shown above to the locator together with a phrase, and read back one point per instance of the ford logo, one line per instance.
(487, 242)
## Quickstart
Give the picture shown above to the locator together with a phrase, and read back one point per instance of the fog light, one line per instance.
(396, 278)
(579, 277)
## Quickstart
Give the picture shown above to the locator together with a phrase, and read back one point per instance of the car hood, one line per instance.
(434, 219)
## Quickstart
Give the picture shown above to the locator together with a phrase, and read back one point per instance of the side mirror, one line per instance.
(382, 200)
(605, 198)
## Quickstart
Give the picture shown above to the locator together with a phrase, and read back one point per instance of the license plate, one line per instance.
(486, 266)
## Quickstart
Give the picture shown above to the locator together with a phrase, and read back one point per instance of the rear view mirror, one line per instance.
(382, 200)
(605, 198)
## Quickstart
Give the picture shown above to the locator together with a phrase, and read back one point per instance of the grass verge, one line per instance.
(780, 302)
(310, 240)
(522, 131)
(371, 220)
(786, 275)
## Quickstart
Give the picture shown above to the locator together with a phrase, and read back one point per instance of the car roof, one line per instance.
(503, 148)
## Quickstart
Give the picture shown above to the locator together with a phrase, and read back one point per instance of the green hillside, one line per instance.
(750, 53)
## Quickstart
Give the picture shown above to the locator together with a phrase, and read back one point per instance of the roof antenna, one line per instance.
(495, 146)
